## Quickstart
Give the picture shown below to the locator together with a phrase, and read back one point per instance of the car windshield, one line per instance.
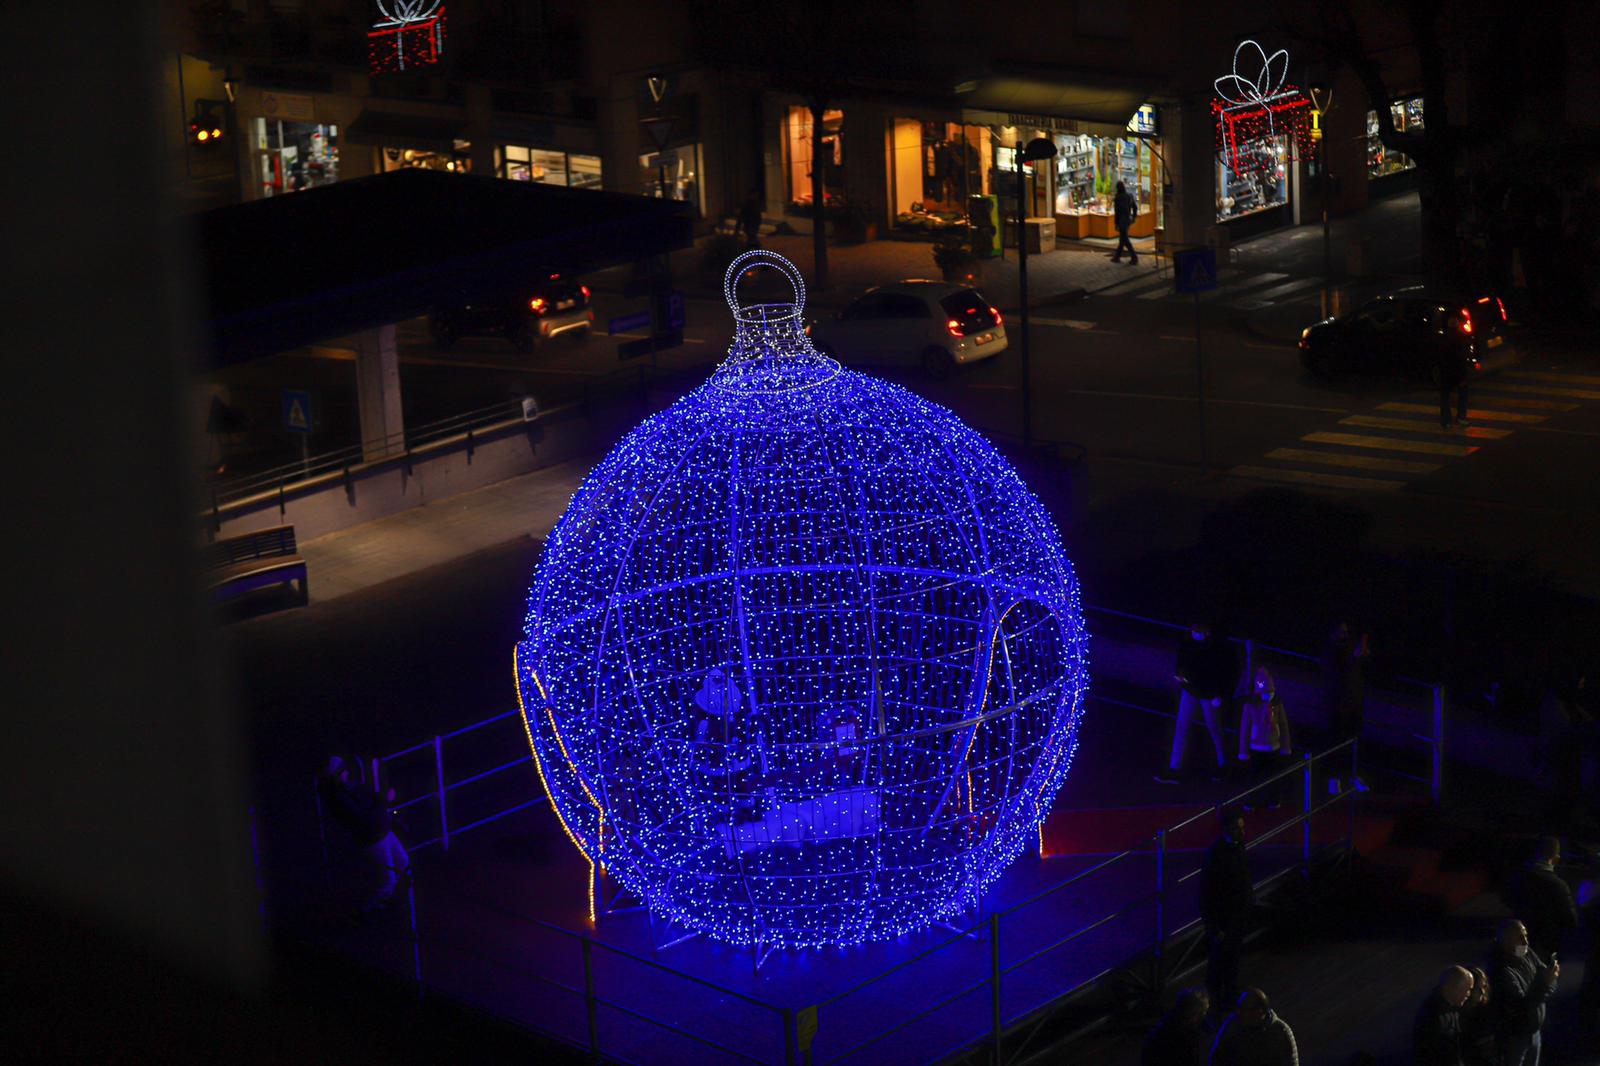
(968, 307)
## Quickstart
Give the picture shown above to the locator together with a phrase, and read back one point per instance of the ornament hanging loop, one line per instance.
(760, 257)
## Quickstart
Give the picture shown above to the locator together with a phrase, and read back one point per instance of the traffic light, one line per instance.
(210, 123)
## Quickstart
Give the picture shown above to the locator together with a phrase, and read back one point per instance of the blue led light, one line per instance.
(804, 661)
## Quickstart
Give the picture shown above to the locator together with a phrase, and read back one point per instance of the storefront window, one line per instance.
(291, 156)
(672, 175)
(936, 166)
(458, 160)
(797, 146)
(1407, 118)
(549, 166)
(1257, 181)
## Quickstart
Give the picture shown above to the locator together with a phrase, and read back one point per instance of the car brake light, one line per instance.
(1466, 321)
(1502, 305)
(585, 290)
(995, 311)
(955, 328)
(537, 304)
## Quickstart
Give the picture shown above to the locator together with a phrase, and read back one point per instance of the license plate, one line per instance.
(562, 305)
(1494, 342)
(985, 338)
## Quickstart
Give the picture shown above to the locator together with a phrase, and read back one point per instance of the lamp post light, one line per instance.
(1321, 104)
(1036, 149)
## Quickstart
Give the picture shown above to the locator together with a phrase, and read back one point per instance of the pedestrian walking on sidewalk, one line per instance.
(1436, 1037)
(1254, 1035)
(1544, 899)
(362, 813)
(1344, 666)
(1264, 743)
(1124, 209)
(1179, 1037)
(1451, 371)
(1523, 984)
(1227, 900)
(1207, 671)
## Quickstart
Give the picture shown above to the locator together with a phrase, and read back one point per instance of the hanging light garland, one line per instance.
(804, 660)
(1257, 104)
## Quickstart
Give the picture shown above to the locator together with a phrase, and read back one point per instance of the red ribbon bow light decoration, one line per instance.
(407, 34)
(1256, 104)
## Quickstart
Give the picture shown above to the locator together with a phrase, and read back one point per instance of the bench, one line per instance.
(249, 561)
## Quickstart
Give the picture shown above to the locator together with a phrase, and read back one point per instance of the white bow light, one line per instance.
(1263, 88)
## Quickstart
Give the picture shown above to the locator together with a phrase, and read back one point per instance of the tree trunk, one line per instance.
(819, 201)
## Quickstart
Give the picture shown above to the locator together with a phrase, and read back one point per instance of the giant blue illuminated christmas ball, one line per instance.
(804, 661)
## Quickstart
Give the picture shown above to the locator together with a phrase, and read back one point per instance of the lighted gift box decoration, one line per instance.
(407, 34)
(804, 660)
(1256, 104)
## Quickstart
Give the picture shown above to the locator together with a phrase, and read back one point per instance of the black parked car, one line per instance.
(555, 306)
(1410, 332)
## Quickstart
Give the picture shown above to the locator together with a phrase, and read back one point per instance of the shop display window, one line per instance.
(1258, 181)
(549, 166)
(1407, 116)
(1088, 169)
(936, 167)
(673, 175)
(457, 161)
(797, 147)
(295, 155)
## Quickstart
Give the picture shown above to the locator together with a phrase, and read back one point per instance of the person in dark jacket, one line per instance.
(1436, 1036)
(1523, 984)
(1344, 666)
(1543, 899)
(365, 817)
(1124, 210)
(1452, 369)
(1207, 673)
(1227, 899)
(1178, 1039)
(1254, 1035)
(1478, 1044)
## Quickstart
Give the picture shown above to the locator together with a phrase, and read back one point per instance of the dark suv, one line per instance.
(1411, 332)
(554, 306)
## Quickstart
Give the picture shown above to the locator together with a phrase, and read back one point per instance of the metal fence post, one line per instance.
(1161, 905)
(788, 1036)
(1305, 826)
(589, 1005)
(1350, 802)
(377, 782)
(994, 982)
(1249, 661)
(1437, 785)
(438, 767)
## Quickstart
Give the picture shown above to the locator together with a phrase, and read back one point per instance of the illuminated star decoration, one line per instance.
(804, 660)
(1257, 104)
(406, 35)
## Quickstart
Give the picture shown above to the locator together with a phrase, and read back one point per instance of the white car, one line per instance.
(934, 324)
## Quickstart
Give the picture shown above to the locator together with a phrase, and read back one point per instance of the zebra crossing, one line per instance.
(1398, 441)
(1240, 290)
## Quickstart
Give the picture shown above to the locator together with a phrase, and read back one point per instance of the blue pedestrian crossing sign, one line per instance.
(297, 410)
(1195, 269)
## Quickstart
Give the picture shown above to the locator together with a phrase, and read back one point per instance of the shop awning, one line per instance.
(394, 129)
(329, 261)
(1055, 98)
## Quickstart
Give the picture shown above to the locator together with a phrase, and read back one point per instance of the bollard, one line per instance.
(994, 981)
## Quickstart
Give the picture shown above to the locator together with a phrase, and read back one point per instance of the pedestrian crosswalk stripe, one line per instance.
(1360, 462)
(1256, 281)
(1414, 426)
(1311, 477)
(1538, 390)
(1526, 405)
(1277, 292)
(1474, 413)
(1538, 375)
(1391, 444)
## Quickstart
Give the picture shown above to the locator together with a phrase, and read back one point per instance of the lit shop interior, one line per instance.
(291, 156)
(797, 152)
(548, 166)
(673, 174)
(1407, 119)
(1255, 179)
(458, 160)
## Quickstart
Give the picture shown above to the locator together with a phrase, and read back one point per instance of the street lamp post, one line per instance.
(1036, 149)
(1321, 104)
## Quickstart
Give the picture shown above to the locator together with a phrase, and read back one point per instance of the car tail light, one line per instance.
(537, 304)
(955, 328)
(1502, 305)
(585, 290)
(998, 319)
(1466, 321)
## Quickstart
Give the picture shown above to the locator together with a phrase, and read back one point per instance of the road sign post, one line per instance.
(297, 420)
(1194, 270)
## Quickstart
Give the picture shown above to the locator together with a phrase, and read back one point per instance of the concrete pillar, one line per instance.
(1187, 139)
(383, 425)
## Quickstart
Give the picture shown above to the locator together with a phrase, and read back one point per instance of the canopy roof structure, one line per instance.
(333, 260)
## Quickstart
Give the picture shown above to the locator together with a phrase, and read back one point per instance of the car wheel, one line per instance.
(937, 363)
(444, 328)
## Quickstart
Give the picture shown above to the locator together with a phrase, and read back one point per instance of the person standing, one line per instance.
(1344, 664)
(750, 218)
(1436, 1036)
(1523, 984)
(1178, 1039)
(1544, 899)
(365, 816)
(1124, 208)
(1206, 673)
(1452, 369)
(1227, 899)
(1254, 1035)
(1478, 1045)
(1264, 742)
